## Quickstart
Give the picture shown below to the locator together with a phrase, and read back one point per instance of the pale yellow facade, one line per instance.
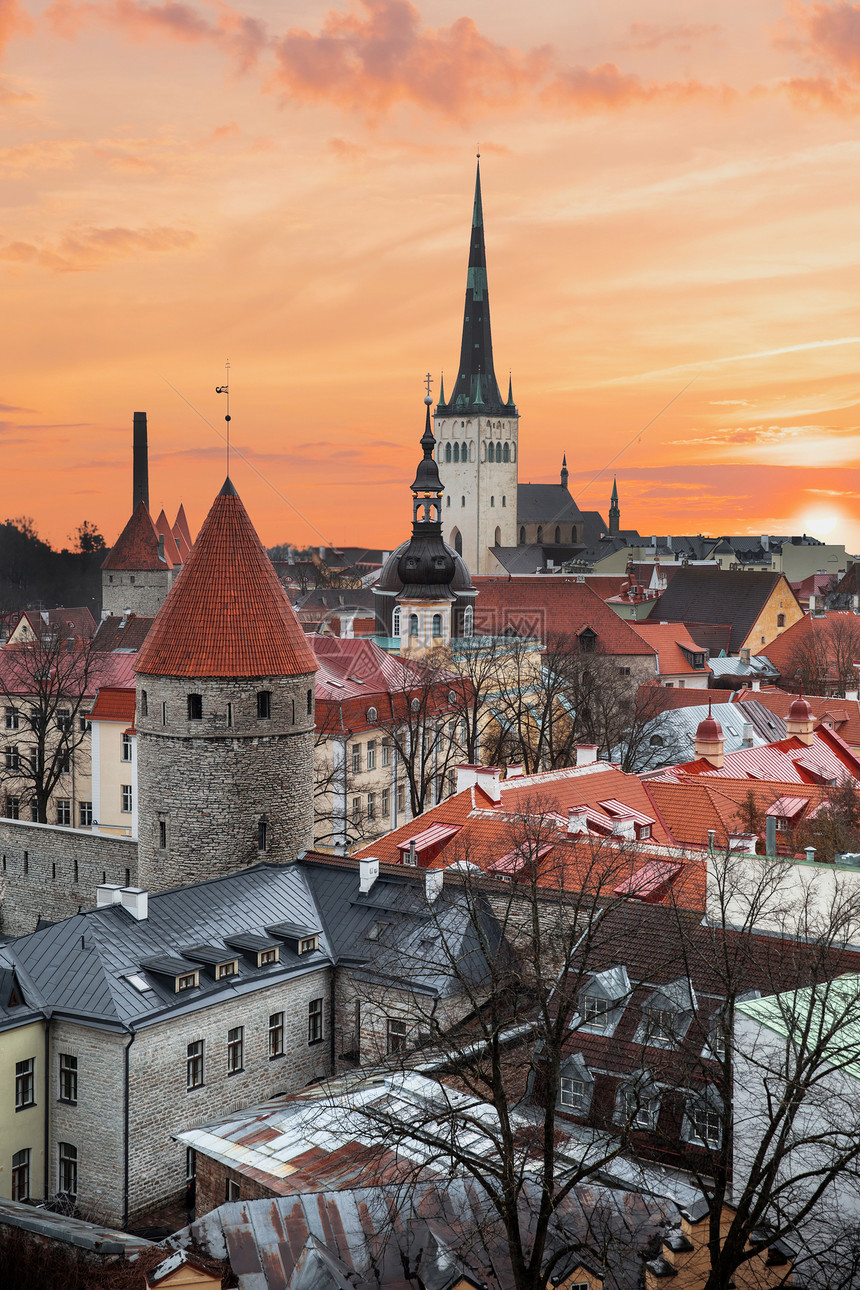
(23, 1129)
(114, 778)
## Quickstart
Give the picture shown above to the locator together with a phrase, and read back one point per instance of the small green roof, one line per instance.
(833, 1000)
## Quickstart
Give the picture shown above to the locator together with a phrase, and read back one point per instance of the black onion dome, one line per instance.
(427, 560)
(389, 579)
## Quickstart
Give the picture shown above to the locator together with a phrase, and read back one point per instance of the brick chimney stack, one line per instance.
(140, 471)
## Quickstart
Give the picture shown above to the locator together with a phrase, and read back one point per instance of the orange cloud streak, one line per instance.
(88, 247)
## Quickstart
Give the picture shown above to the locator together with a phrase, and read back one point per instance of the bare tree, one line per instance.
(822, 660)
(423, 727)
(47, 687)
(510, 962)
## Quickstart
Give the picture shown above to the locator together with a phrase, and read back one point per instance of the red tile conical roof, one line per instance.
(181, 523)
(226, 614)
(137, 545)
(163, 529)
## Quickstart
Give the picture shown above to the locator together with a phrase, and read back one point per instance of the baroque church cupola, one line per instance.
(424, 594)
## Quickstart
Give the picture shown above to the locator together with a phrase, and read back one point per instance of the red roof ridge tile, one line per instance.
(227, 614)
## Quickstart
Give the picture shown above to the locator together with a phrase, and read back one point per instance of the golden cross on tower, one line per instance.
(428, 381)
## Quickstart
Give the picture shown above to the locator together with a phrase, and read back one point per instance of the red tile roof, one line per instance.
(693, 806)
(814, 636)
(226, 614)
(137, 545)
(788, 760)
(670, 640)
(113, 704)
(163, 529)
(552, 606)
(181, 523)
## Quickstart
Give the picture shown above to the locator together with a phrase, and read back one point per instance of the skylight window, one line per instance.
(140, 983)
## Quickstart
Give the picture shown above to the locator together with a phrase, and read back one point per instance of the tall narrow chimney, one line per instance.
(140, 475)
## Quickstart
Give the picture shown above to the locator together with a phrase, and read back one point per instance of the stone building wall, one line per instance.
(95, 1125)
(143, 592)
(211, 781)
(160, 1104)
(51, 872)
(476, 489)
(362, 1011)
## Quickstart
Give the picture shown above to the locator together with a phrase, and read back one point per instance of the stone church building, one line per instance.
(488, 515)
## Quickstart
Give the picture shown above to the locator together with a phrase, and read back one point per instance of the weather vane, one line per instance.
(225, 389)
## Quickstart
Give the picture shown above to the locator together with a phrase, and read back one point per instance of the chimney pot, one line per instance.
(136, 901)
(577, 822)
(586, 754)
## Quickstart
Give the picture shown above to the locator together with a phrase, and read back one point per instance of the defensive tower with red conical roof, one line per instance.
(225, 713)
(137, 572)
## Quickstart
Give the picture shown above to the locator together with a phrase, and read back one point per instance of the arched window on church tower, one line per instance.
(498, 536)
(506, 453)
(447, 452)
(513, 452)
(395, 618)
(468, 620)
(458, 541)
(456, 452)
(436, 628)
(413, 624)
(498, 452)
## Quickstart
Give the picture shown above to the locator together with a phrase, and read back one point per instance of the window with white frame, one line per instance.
(386, 752)
(232, 1190)
(640, 1110)
(395, 621)
(397, 1031)
(371, 806)
(13, 808)
(13, 760)
(595, 1011)
(660, 1025)
(64, 719)
(371, 755)
(572, 1093)
(11, 718)
(386, 802)
(64, 810)
(356, 758)
(127, 799)
(126, 748)
(68, 1078)
(705, 1124)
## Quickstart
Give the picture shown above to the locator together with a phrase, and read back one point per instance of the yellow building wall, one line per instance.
(112, 773)
(21, 1129)
(782, 600)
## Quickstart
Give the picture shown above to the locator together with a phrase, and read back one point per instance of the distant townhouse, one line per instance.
(756, 606)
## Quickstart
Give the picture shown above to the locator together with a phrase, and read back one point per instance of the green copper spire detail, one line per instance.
(614, 511)
(441, 399)
(510, 403)
(614, 497)
(476, 347)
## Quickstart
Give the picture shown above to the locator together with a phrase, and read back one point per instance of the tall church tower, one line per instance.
(225, 714)
(614, 511)
(477, 430)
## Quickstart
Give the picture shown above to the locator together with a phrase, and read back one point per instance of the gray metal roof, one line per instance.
(94, 965)
(545, 504)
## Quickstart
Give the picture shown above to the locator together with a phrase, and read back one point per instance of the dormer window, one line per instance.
(309, 944)
(595, 1011)
(661, 1024)
(266, 957)
(572, 1093)
(187, 981)
(230, 968)
(667, 1014)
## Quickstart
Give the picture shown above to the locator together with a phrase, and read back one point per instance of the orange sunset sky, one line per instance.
(671, 194)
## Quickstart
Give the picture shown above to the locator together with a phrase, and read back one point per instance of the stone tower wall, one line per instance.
(480, 495)
(211, 782)
(142, 592)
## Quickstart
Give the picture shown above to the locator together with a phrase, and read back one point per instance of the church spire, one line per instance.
(476, 388)
(614, 511)
(564, 475)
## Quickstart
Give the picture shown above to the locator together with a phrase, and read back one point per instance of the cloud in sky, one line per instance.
(681, 35)
(242, 36)
(86, 248)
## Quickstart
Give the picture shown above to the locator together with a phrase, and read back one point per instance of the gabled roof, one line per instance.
(113, 704)
(693, 806)
(546, 504)
(674, 645)
(136, 548)
(126, 633)
(704, 594)
(812, 636)
(163, 529)
(552, 606)
(227, 614)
